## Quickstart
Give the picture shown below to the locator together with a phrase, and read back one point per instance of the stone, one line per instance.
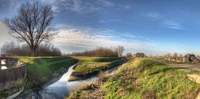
(198, 96)
(93, 86)
(194, 77)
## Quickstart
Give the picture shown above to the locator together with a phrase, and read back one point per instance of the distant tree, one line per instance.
(119, 50)
(168, 55)
(24, 50)
(48, 50)
(175, 55)
(31, 25)
(99, 52)
(129, 55)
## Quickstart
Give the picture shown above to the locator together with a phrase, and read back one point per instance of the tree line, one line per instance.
(24, 50)
(101, 52)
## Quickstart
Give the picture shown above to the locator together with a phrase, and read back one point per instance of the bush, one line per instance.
(99, 52)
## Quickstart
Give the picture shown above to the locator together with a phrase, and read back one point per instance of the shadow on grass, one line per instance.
(161, 70)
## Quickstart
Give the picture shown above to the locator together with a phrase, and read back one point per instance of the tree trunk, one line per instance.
(33, 53)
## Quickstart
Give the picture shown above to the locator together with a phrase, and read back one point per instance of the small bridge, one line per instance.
(12, 72)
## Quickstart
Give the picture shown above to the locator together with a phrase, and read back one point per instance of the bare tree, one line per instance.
(175, 55)
(120, 50)
(129, 55)
(31, 25)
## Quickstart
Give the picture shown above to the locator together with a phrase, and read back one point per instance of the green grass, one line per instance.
(43, 69)
(93, 65)
(143, 78)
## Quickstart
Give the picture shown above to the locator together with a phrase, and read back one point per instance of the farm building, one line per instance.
(139, 55)
(187, 58)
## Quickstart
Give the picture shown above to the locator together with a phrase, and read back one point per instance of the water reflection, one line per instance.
(62, 88)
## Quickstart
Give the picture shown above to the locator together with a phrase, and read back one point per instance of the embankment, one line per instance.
(40, 70)
(141, 79)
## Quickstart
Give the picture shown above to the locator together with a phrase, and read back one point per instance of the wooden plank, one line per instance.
(12, 74)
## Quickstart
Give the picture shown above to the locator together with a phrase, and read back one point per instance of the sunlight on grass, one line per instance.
(93, 65)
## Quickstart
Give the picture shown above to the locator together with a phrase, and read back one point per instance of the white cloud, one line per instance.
(172, 25)
(3, 30)
(102, 21)
(59, 26)
(164, 22)
(80, 6)
(124, 7)
(129, 35)
(152, 15)
(173, 47)
(84, 38)
(106, 3)
(55, 8)
(4, 36)
(87, 39)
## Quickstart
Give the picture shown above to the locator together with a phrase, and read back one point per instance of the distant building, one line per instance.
(176, 59)
(187, 58)
(139, 55)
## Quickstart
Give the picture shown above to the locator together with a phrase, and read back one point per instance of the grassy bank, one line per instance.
(141, 79)
(43, 69)
(93, 65)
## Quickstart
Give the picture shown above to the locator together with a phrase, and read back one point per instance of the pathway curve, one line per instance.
(182, 66)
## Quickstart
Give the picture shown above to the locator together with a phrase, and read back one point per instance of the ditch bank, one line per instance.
(12, 77)
(75, 76)
(44, 71)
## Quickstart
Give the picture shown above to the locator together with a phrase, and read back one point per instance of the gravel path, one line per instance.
(182, 66)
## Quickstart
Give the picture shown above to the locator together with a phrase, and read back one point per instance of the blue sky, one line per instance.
(150, 26)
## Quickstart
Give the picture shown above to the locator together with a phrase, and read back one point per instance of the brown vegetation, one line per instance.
(140, 78)
(24, 50)
(101, 52)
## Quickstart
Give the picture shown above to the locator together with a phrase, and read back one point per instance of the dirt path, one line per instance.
(182, 66)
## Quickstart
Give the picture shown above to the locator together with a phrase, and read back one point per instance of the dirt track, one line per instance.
(183, 66)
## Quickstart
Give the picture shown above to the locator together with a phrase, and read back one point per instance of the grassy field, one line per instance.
(93, 65)
(43, 69)
(141, 79)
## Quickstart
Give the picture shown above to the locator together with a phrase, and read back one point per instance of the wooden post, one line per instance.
(0, 64)
(6, 62)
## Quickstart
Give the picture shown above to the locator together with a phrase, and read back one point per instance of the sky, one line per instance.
(150, 26)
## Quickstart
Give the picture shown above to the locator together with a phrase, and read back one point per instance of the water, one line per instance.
(62, 88)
